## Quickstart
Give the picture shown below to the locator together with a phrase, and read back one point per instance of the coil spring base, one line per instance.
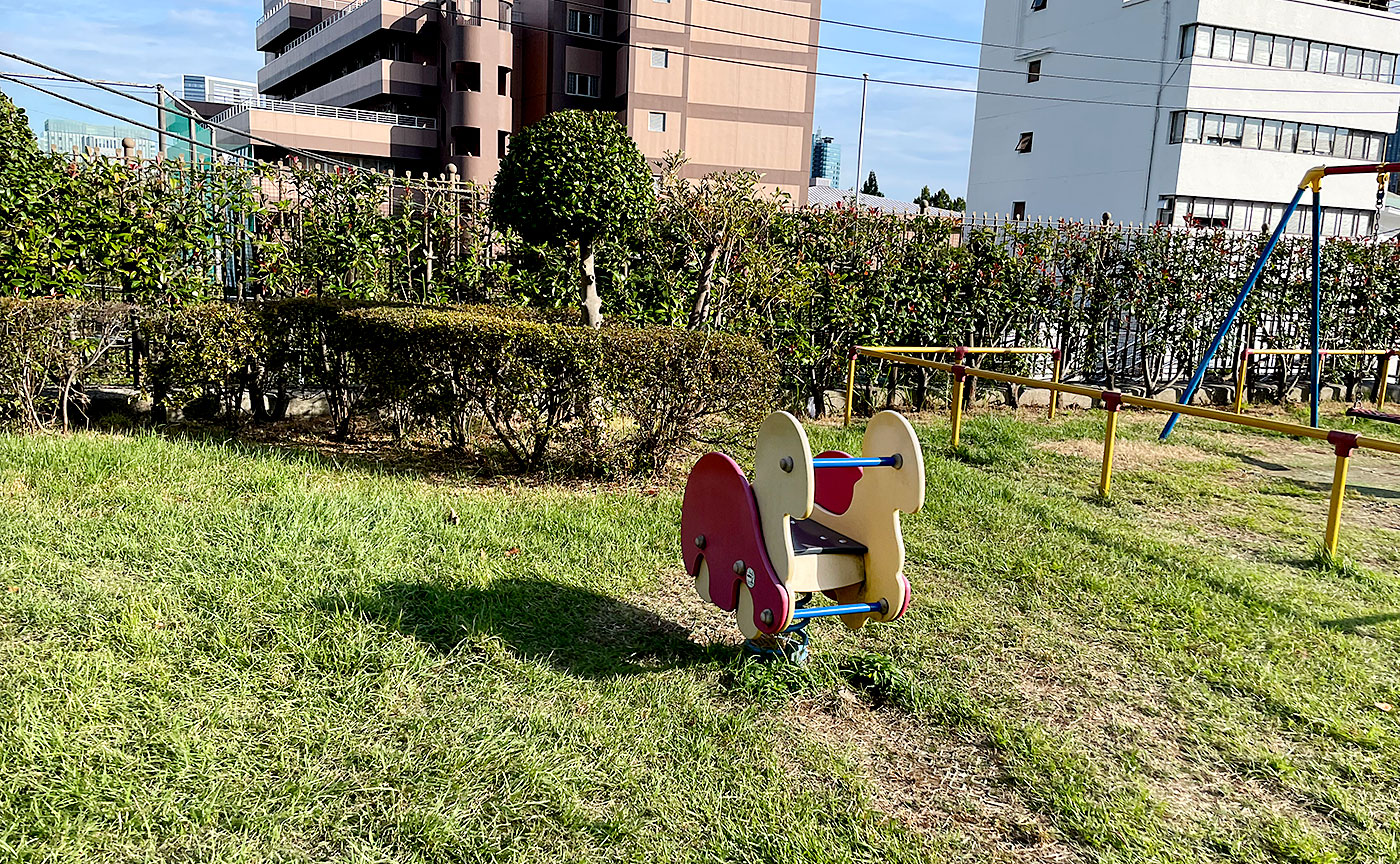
(788, 646)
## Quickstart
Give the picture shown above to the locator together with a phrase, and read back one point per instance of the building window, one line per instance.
(466, 141)
(578, 84)
(1283, 52)
(1032, 71)
(502, 142)
(1024, 145)
(468, 77)
(1018, 210)
(660, 58)
(502, 80)
(656, 121)
(1037, 5)
(1255, 133)
(585, 23)
(1261, 215)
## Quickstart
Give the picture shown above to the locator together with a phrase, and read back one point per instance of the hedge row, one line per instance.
(505, 382)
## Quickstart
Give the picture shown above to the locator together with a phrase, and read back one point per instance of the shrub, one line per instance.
(198, 352)
(48, 349)
(613, 399)
(678, 385)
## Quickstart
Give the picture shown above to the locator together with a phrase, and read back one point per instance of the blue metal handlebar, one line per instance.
(858, 462)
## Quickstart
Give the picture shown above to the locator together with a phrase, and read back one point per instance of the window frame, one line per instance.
(575, 78)
(575, 21)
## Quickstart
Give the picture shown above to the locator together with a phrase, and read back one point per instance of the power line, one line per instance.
(970, 42)
(903, 58)
(65, 78)
(114, 115)
(919, 85)
(193, 118)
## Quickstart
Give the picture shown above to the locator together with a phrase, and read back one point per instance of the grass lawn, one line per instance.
(227, 652)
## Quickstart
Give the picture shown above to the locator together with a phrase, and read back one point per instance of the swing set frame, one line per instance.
(1311, 180)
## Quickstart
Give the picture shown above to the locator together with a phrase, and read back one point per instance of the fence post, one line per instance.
(1344, 442)
(850, 386)
(1241, 378)
(1384, 381)
(1112, 401)
(959, 373)
(1058, 357)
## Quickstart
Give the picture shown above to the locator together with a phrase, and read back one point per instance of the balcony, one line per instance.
(286, 20)
(307, 109)
(328, 129)
(380, 78)
(340, 30)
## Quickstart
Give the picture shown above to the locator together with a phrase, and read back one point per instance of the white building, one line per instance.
(207, 88)
(1226, 107)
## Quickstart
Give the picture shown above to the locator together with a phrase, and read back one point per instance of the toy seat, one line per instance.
(828, 525)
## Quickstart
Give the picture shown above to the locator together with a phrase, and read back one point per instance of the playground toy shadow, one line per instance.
(575, 630)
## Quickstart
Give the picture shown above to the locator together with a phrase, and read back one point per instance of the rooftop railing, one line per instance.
(263, 103)
(323, 4)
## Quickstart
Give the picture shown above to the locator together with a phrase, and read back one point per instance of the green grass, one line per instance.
(217, 652)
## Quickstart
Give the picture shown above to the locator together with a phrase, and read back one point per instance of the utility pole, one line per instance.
(160, 119)
(860, 140)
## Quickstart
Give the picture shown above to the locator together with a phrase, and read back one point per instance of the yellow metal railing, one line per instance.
(1343, 442)
(1387, 358)
(958, 352)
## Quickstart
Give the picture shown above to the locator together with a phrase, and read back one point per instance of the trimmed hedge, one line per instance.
(512, 384)
(609, 400)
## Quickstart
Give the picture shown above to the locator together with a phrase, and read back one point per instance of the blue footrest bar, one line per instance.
(844, 609)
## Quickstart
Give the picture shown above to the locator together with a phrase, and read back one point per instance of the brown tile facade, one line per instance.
(731, 87)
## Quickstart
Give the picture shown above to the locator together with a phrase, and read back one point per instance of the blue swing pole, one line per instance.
(1317, 299)
(1235, 310)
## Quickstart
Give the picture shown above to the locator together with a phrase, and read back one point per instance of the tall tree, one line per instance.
(575, 176)
(943, 201)
(924, 198)
(871, 187)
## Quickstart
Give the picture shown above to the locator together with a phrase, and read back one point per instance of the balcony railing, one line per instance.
(263, 103)
(325, 22)
(322, 4)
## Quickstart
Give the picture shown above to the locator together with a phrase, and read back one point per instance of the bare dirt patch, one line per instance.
(936, 784)
(1128, 454)
(675, 600)
(1196, 786)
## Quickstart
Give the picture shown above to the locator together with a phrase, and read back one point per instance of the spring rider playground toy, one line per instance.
(827, 525)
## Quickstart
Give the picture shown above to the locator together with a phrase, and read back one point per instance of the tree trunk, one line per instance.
(592, 303)
(701, 313)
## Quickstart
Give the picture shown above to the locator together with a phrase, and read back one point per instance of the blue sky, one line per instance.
(912, 137)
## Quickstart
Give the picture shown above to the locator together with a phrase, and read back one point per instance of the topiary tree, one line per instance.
(575, 176)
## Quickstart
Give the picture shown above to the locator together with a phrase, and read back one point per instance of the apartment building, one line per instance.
(402, 84)
(1222, 108)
